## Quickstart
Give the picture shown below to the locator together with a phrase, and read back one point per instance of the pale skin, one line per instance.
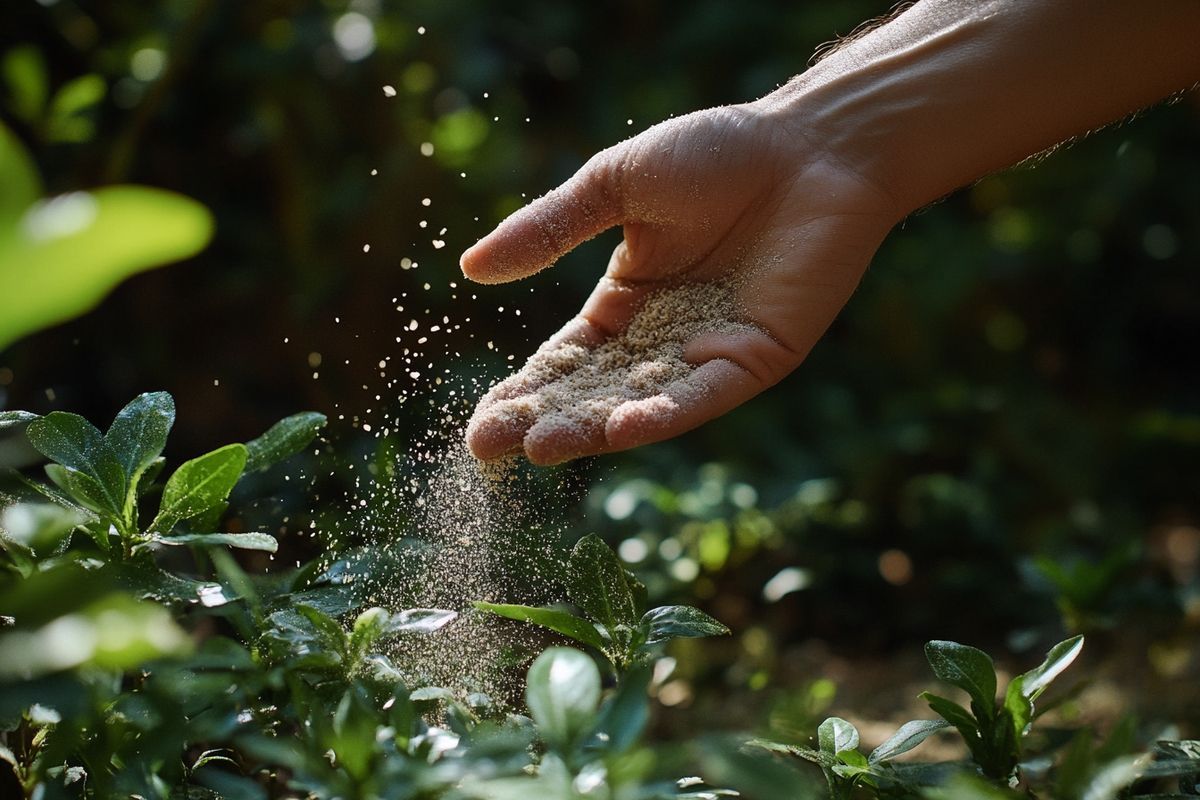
(796, 191)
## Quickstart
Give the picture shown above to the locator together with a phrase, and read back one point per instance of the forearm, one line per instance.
(952, 90)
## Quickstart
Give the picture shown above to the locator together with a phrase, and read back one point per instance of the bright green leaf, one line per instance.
(1057, 660)
(562, 690)
(568, 625)
(199, 484)
(679, 622)
(66, 253)
(283, 439)
(20, 180)
(598, 585)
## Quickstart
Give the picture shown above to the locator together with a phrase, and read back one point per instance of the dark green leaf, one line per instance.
(283, 439)
(953, 713)
(623, 716)
(967, 668)
(10, 419)
(66, 121)
(562, 690)
(25, 74)
(597, 583)
(568, 625)
(909, 736)
(679, 622)
(139, 432)
(72, 441)
(81, 488)
(243, 541)
(835, 736)
(198, 485)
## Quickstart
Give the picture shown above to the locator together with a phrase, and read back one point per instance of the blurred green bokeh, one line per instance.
(998, 438)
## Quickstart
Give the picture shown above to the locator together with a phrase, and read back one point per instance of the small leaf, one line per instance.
(562, 689)
(568, 625)
(139, 432)
(25, 73)
(20, 180)
(40, 527)
(436, 694)
(680, 622)
(81, 488)
(11, 419)
(199, 484)
(953, 713)
(598, 585)
(243, 541)
(623, 716)
(967, 668)
(835, 736)
(909, 736)
(66, 121)
(283, 439)
(1057, 660)
(72, 441)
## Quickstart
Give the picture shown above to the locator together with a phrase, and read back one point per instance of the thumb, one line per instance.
(535, 236)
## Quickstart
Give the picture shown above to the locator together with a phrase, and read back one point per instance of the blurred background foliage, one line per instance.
(995, 443)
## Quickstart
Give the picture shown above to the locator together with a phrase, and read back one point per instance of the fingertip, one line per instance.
(555, 439)
(492, 433)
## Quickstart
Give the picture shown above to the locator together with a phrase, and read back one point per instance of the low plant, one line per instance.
(613, 621)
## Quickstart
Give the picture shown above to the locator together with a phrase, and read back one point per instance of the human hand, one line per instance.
(733, 197)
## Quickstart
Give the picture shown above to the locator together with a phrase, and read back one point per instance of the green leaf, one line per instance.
(953, 713)
(909, 736)
(198, 485)
(967, 668)
(835, 736)
(73, 442)
(243, 541)
(283, 439)
(20, 180)
(39, 527)
(623, 716)
(1024, 689)
(68, 119)
(679, 622)
(139, 432)
(25, 74)
(568, 625)
(598, 585)
(10, 419)
(418, 620)
(354, 726)
(562, 690)
(1057, 660)
(79, 487)
(64, 254)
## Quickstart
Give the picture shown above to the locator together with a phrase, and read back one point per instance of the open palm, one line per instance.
(724, 194)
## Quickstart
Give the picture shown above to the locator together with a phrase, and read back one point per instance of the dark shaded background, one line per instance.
(996, 442)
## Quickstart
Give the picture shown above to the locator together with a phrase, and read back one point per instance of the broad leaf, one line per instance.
(72, 441)
(64, 254)
(835, 735)
(597, 583)
(562, 690)
(283, 439)
(25, 75)
(909, 736)
(10, 419)
(39, 527)
(198, 485)
(568, 625)
(243, 541)
(968, 668)
(139, 432)
(679, 622)
(623, 716)
(418, 620)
